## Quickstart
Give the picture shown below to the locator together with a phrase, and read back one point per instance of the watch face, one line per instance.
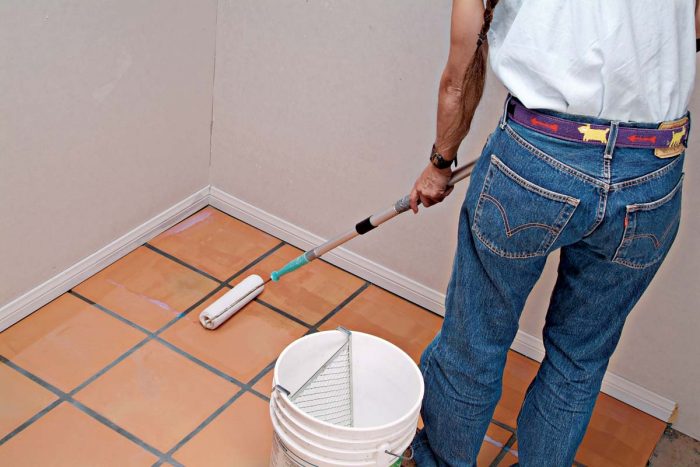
(438, 161)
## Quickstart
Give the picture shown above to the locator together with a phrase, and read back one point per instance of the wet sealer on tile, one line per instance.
(230, 303)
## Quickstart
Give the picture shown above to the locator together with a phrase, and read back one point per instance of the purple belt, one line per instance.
(570, 130)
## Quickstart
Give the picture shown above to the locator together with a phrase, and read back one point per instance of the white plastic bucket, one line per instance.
(387, 390)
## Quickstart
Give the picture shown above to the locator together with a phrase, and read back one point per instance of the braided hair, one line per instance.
(473, 81)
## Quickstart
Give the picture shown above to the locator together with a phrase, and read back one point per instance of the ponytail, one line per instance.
(473, 81)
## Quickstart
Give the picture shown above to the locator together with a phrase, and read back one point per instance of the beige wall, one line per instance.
(105, 111)
(324, 111)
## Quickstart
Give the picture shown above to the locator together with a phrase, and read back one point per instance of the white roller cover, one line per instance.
(235, 299)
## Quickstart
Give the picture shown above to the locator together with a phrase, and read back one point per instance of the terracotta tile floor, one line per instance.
(118, 371)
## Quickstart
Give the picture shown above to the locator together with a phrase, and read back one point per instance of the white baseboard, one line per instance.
(635, 395)
(344, 259)
(39, 296)
(526, 344)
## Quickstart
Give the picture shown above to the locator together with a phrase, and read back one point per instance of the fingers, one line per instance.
(414, 201)
(429, 189)
(428, 199)
(425, 201)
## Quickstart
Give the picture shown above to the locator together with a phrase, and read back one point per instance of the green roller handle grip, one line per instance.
(293, 265)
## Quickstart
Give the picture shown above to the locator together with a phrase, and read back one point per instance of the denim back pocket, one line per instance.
(649, 230)
(515, 218)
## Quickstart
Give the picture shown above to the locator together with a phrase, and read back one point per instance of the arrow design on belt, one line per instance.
(641, 139)
(551, 126)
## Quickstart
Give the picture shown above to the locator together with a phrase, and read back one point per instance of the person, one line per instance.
(587, 158)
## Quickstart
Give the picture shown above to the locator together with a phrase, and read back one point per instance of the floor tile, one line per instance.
(215, 242)
(67, 341)
(518, 373)
(309, 293)
(67, 437)
(490, 449)
(157, 394)
(146, 288)
(619, 435)
(264, 385)
(376, 311)
(241, 435)
(242, 346)
(20, 399)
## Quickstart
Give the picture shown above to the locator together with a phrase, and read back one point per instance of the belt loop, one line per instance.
(612, 139)
(505, 112)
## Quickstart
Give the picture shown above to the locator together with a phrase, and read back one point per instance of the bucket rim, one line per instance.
(399, 421)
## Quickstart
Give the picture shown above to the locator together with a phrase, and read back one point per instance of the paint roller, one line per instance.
(244, 292)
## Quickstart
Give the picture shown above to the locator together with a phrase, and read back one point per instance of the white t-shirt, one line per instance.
(627, 60)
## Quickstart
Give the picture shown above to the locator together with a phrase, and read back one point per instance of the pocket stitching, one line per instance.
(510, 232)
(634, 265)
(563, 218)
(630, 232)
(645, 178)
(658, 202)
(502, 253)
(528, 185)
(657, 242)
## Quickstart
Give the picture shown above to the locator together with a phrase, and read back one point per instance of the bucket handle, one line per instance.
(400, 456)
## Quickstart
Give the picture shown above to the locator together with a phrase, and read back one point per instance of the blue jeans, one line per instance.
(614, 213)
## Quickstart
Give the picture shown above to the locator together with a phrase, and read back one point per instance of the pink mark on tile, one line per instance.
(156, 302)
(163, 305)
(187, 223)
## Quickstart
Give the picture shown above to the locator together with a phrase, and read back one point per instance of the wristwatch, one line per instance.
(439, 161)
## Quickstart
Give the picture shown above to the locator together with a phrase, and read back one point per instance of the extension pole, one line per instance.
(364, 226)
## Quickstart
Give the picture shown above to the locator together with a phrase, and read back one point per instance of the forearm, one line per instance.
(466, 23)
(449, 102)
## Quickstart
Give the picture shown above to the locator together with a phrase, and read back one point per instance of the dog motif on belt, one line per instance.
(591, 134)
(675, 145)
(676, 139)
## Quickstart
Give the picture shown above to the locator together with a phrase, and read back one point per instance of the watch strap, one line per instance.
(439, 161)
